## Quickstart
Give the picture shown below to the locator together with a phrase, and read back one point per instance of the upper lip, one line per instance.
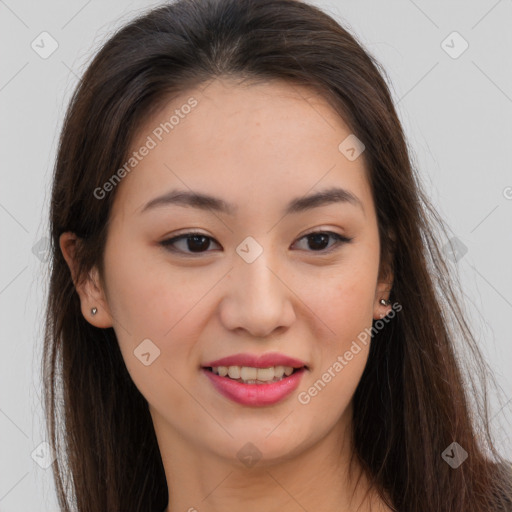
(257, 361)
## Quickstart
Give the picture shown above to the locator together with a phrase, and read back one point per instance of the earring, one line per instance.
(385, 302)
(93, 311)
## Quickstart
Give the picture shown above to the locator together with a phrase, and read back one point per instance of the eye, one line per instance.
(194, 242)
(318, 239)
(199, 243)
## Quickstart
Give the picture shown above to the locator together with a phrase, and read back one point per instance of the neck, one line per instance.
(327, 476)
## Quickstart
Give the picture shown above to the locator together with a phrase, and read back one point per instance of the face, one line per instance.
(255, 279)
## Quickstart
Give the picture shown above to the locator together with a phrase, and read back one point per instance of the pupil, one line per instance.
(316, 237)
(199, 246)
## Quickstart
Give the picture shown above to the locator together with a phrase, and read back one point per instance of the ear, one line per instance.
(382, 291)
(90, 291)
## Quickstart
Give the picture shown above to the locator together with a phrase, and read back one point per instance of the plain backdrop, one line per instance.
(450, 71)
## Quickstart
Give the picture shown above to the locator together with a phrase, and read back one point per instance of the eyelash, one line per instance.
(167, 244)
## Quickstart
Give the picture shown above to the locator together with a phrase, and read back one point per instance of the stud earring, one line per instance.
(385, 302)
(93, 311)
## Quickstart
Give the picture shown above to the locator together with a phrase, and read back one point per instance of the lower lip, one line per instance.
(255, 394)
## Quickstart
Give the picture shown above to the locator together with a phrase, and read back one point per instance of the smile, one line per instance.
(251, 375)
(254, 386)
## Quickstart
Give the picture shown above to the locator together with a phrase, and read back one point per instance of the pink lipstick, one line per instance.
(286, 372)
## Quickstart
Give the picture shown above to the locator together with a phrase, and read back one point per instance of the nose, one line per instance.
(257, 299)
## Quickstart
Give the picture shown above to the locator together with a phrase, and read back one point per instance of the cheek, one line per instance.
(148, 301)
(147, 296)
(345, 306)
(345, 299)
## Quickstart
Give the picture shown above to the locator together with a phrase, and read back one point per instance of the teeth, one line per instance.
(247, 373)
(279, 371)
(234, 372)
(252, 375)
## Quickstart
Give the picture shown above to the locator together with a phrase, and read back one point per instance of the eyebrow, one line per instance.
(207, 202)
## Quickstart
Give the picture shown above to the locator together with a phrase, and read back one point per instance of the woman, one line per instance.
(248, 305)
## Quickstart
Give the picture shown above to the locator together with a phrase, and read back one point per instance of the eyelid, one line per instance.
(167, 243)
(340, 241)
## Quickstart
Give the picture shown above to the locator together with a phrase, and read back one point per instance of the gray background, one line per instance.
(456, 114)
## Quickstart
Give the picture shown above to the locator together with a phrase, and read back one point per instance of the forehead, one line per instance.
(247, 143)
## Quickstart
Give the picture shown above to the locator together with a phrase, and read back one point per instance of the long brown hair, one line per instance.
(413, 400)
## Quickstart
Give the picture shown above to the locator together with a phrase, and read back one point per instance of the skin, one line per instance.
(259, 147)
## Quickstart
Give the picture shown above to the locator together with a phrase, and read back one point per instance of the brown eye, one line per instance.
(318, 241)
(194, 243)
(197, 243)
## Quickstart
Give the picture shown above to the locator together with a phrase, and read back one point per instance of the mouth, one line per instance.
(255, 379)
(254, 376)
(254, 387)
